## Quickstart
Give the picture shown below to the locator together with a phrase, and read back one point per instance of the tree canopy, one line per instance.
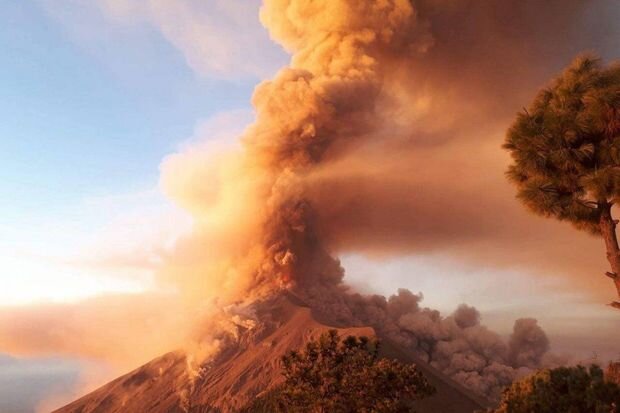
(335, 375)
(565, 389)
(566, 151)
(566, 145)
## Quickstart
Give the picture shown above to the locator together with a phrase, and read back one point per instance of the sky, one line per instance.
(98, 94)
(92, 105)
(92, 108)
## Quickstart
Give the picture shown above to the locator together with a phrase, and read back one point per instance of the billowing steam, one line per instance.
(328, 129)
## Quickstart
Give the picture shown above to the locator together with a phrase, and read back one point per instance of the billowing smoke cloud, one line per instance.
(457, 345)
(252, 205)
(433, 180)
(382, 136)
(528, 343)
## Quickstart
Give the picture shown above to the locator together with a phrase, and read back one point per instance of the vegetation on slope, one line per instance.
(335, 375)
(565, 389)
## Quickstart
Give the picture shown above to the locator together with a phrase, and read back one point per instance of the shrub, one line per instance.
(565, 389)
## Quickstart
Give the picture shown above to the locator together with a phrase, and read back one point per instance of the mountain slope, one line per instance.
(243, 371)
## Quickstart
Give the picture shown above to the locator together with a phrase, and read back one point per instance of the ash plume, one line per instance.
(330, 98)
(381, 137)
(353, 149)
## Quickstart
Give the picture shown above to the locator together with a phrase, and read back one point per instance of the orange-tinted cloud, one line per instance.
(124, 330)
(388, 126)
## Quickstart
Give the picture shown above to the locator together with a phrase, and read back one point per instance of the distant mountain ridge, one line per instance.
(242, 372)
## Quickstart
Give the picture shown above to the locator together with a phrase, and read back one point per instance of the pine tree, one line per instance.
(566, 152)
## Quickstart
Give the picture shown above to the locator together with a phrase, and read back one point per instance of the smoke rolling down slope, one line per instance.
(354, 148)
(237, 374)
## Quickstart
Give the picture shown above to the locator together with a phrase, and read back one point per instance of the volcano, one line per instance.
(247, 369)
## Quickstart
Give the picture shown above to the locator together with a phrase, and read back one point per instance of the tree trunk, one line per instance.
(608, 231)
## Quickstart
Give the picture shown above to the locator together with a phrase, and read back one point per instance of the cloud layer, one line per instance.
(218, 38)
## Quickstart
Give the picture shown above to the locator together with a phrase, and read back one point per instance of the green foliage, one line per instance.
(334, 375)
(566, 145)
(565, 389)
